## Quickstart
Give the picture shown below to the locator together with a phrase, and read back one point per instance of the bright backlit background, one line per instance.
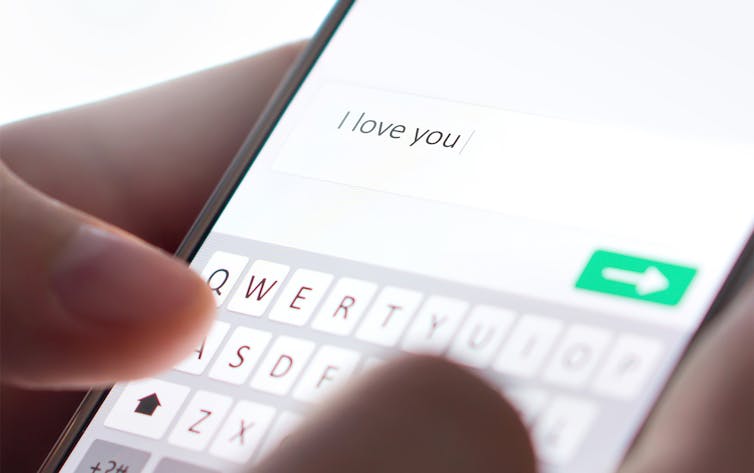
(57, 54)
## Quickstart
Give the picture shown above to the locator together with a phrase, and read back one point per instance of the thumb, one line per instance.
(83, 303)
(705, 421)
(414, 414)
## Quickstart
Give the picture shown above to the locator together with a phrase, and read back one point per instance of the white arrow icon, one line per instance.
(648, 282)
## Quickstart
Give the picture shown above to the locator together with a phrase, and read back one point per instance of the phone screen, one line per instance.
(551, 194)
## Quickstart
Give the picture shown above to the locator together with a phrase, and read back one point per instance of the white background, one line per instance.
(58, 54)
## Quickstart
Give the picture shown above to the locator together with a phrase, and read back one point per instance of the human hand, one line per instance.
(705, 421)
(424, 415)
(86, 197)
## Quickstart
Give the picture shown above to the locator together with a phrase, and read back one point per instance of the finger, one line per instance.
(705, 422)
(418, 414)
(83, 303)
(147, 160)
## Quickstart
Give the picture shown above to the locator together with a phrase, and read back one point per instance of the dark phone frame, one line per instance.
(742, 269)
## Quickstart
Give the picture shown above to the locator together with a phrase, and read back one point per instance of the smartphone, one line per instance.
(555, 195)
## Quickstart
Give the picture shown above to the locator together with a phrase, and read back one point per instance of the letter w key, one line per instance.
(258, 288)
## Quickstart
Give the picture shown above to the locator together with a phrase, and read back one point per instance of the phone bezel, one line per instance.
(244, 159)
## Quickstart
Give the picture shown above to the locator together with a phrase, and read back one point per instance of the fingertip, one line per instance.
(116, 309)
(453, 399)
(153, 308)
(170, 325)
(413, 414)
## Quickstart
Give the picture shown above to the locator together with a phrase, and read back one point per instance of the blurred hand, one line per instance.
(705, 421)
(87, 198)
(411, 415)
(88, 195)
(427, 415)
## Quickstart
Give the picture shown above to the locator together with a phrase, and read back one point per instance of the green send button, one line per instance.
(629, 276)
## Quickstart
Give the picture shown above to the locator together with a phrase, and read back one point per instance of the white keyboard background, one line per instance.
(582, 381)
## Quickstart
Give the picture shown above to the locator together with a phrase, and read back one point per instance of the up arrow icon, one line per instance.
(148, 404)
(619, 274)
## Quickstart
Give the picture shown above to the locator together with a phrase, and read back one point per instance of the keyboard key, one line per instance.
(201, 418)
(105, 456)
(529, 402)
(169, 465)
(389, 316)
(344, 306)
(299, 298)
(283, 364)
(330, 367)
(434, 326)
(197, 362)
(147, 407)
(577, 355)
(628, 366)
(258, 287)
(221, 272)
(481, 335)
(561, 428)
(284, 425)
(530, 341)
(242, 431)
(240, 355)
